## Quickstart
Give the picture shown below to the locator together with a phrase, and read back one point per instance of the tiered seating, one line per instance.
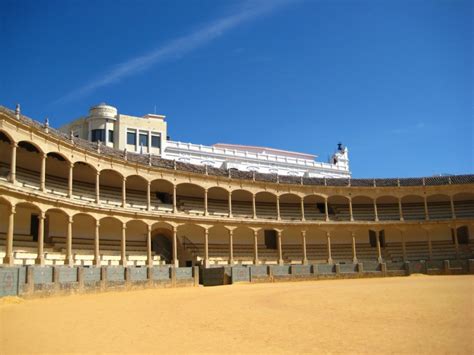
(441, 250)
(340, 252)
(267, 210)
(439, 210)
(464, 209)
(388, 212)
(413, 211)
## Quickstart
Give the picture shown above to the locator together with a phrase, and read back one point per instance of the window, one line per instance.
(111, 136)
(155, 141)
(143, 140)
(131, 138)
(98, 135)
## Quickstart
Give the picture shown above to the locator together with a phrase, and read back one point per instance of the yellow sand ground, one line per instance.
(418, 314)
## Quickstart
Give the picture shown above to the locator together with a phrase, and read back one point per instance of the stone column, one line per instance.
(303, 242)
(123, 245)
(328, 236)
(453, 211)
(148, 196)
(124, 192)
(97, 187)
(354, 251)
(376, 212)
(254, 207)
(43, 173)
(400, 210)
(175, 202)
(302, 210)
(96, 244)
(280, 250)
(40, 257)
(8, 259)
(351, 214)
(379, 249)
(13, 163)
(206, 247)
(425, 202)
(456, 242)
(149, 257)
(69, 257)
(326, 209)
(230, 204)
(255, 246)
(278, 208)
(206, 212)
(231, 246)
(175, 246)
(404, 249)
(70, 180)
(430, 247)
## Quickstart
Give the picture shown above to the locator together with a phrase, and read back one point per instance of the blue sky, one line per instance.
(392, 80)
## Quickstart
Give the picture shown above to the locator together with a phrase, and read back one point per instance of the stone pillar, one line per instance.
(303, 242)
(328, 236)
(148, 196)
(254, 207)
(425, 202)
(404, 249)
(97, 187)
(206, 212)
(13, 163)
(255, 247)
(278, 208)
(69, 261)
(8, 259)
(280, 250)
(456, 242)
(231, 246)
(175, 246)
(149, 257)
(124, 192)
(230, 204)
(70, 180)
(376, 212)
(175, 202)
(400, 210)
(40, 257)
(43, 173)
(453, 211)
(430, 246)
(379, 249)
(123, 246)
(206, 247)
(326, 211)
(351, 214)
(96, 244)
(302, 210)
(354, 251)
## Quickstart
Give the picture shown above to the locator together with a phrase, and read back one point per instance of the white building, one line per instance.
(148, 135)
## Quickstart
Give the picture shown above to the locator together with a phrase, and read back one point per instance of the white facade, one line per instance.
(245, 158)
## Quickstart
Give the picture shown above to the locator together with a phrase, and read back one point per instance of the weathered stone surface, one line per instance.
(9, 281)
(240, 274)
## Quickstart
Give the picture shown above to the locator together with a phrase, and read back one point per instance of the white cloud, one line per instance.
(176, 48)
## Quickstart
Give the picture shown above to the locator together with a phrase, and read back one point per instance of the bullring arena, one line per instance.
(383, 264)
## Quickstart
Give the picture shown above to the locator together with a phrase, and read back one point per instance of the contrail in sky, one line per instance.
(249, 10)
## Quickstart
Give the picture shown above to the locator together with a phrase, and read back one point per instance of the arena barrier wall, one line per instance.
(38, 281)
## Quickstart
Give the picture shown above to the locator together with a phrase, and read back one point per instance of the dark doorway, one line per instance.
(382, 238)
(270, 239)
(162, 246)
(34, 223)
(373, 238)
(463, 235)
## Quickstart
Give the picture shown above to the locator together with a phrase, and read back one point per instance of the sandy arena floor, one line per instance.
(417, 314)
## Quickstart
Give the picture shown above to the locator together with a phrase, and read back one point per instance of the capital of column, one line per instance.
(15, 145)
(42, 215)
(70, 219)
(124, 225)
(97, 224)
(303, 232)
(13, 209)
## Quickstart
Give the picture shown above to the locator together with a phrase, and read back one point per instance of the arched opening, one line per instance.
(218, 245)
(136, 244)
(56, 224)
(242, 204)
(110, 187)
(387, 208)
(136, 196)
(290, 207)
(464, 205)
(6, 146)
(266, 205)
(83, 233)
(110, 235)
(84, 180)
(162, 244)
(314, 208)
(28, 165)
(363, 208)
(316, 246)
(338, 208)
(190, 198)
(192, 239)
(25, 233)
(161, 195)
(439, 206)
(243, 245)
(218, 201)
(413, 207)
(57, 174)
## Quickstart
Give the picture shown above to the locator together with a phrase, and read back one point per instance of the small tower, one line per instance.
(340, 158)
